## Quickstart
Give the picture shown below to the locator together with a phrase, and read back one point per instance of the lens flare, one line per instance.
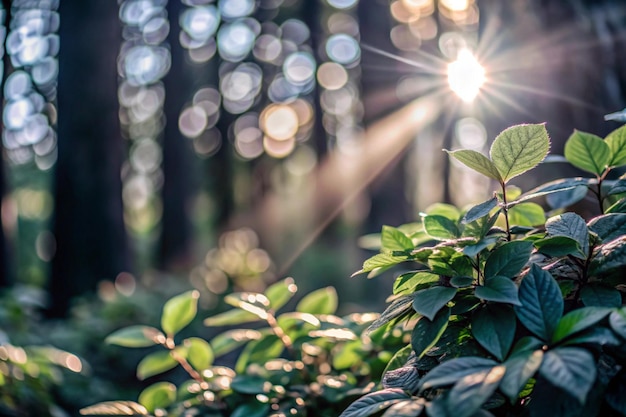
(466, 76)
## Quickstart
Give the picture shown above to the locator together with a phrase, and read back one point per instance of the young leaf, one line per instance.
(395, 240)
(179, 311)
(254, 303)
(498, 289)
(597, 295)
(199, 352)
(381, 260)
(232, 339)
(609, 226)
(617, 144)
(480, 210)
(322, 301)
(578, 320)
(519, 369)
(541, 303)
(155, 363)
(136, 336)
(471, 391)
(509, 259)
(159, 395)
(230, 318)
(478, 162)
(398, 308)
(570, 225)
(527, 214)
(519, 149)
(280, 293)
(429, 301)
(452, 370)
(494, 328)
(440, 227)
(115, 408)
(426, 332)
(570, 368)
(374, 402)
(587, 152)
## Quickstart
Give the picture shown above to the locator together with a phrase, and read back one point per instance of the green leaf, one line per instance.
(480, 210)
(322, 301)
(408, 408)
(471, 391)
(426, 332)
(452, 370)
(446, 210)
(440, 227)
(541, 303)
(596, 295)
(381, 260)
(617, 144)
(250, 384)
(374, 402)
(155, 363)
(399, 359)
(509, 259)
(159, 395)
(230, 340)
(567, 198)
(611, 258)
(269, 346)
(252, 409)
(498, 289)
(594, 335)
(395, 240)
(618, 207)
(617, 320)
(519, 369)
(179, 311)
(462, 282)
(609, 226)
(519, 149)
(429, 301)
(553, 187)
(478, 162)
(618, 188)
(115, 408)
(570, 225)
(557, 246)
(494, 328)
(230, 318)
(578, 320)
(199, 352)
(527, 343)
(349, 355)
(527, 214)
(410, 280)
(587, 152)
(136, 336)
(255, 303)
(280, 293)
(473, 250)
(398, 308)
(570, 368)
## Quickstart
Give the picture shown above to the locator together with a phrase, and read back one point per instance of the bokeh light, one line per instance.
(466, 76)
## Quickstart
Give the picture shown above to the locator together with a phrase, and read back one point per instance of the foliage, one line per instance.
(308, 361)
(511, 311)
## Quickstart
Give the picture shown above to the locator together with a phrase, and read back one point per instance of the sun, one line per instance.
(466, 76)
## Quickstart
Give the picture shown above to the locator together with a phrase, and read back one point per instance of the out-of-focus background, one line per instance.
(153, 145)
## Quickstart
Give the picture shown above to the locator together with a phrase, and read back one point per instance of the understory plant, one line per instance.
(305, 362)
(511, 310)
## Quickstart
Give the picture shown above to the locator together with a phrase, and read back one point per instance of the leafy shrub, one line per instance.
(303, 362)
(511, 314)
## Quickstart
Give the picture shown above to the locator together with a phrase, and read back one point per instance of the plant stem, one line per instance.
(505, 209)
(599, 192)
(187, 366)
(278, 331)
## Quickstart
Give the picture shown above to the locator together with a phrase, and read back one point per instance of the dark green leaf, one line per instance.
(398, 308)
(159, 395)
(269, 346)
(399, 359)
(570, 225)
(408, 408)
(255, 409)
(570, 368)
(136, 336)
(449, 372)
(395, 240)
(115, 408)
(230, 340)
(600, 296)
(155, 363)
(611, 259)
(230, 318)
(567, 198)
(406, 378)
(587, 152)
(250, 384)
(498, 289)
(199, 353)
(617, 320)
(471, 391)
(557, 246)
(179, 311)
(578, 320)
(527, 343)
(519, 369)
(519, 149)
(473, 250)
(609, 226)
(426, 332)
(410, 280)
(280, 293)
(429, 301)
(616, 392)
(440, 227)
(494, 328)
(437, 407)
(480, 210)
(478, 162)
(322, 301)
(541, 303)
(618, 188)
(595, 335)
(527, 214)
(464, 304)
(462, 282)
(509, 259)
(552, 187)
(374, 402)
(617, 144)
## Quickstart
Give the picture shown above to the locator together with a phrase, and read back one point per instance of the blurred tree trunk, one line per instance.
(88, 224)
(5, 279)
